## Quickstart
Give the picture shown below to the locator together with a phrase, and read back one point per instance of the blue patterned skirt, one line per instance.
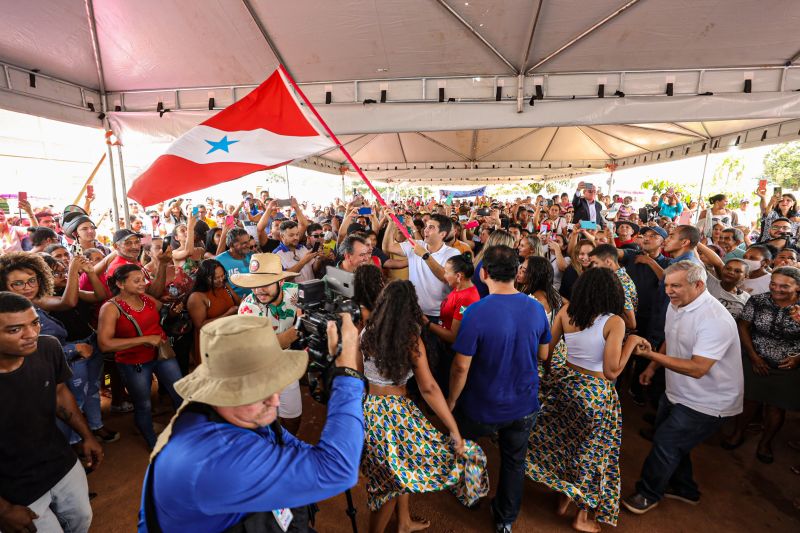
(574, 446)
(404, 453)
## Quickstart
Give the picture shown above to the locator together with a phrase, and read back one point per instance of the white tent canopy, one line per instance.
(612, 82)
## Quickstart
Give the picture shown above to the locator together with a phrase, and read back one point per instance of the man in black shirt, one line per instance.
(42, 484)
(645, 268)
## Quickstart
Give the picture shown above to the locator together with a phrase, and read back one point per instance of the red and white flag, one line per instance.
(265, 129)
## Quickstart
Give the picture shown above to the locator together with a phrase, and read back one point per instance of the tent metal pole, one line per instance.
(124, 186)
(580, 36)
(480, 37)
(527, 52)
(250, 9)
(343, 188)
(288, 188)
(115, 204)
(702, 184)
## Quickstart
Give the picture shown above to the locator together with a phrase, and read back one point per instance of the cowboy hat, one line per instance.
(241, 363)
(265, 269)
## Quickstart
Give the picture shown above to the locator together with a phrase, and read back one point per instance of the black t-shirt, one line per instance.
(34, 454)
(270, 245)
(568, 279)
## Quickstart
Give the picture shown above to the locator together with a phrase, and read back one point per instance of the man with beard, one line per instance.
(274, 298)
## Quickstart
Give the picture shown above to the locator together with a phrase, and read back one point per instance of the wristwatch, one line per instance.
(426, 256)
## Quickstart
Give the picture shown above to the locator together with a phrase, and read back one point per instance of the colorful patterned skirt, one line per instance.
(404, 453)
(574, 446)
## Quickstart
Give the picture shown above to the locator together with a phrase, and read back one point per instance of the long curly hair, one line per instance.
(597, 292)
(390, 338)
(539, 277)
(367, 285)
(204, 279)
(27, 261)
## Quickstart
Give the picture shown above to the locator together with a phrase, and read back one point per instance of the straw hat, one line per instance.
(242, 363)
(265, 269)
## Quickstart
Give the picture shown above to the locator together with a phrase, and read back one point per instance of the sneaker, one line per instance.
(638, 504)
(673, 495)
(106, 435)
(502, 528)
(124, 407)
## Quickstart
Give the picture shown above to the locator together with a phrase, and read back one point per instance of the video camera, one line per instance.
(321, 301)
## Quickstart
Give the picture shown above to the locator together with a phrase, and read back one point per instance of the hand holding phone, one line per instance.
(22, 196)
(229, 221)
(365, 211)
(283, 203)
(588, 224)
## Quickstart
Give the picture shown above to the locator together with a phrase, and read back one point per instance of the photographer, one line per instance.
(224, 459)
(274, 298)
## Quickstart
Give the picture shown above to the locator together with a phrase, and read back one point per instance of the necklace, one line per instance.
(141, 308)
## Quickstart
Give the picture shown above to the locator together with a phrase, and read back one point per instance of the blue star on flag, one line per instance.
(222, 144)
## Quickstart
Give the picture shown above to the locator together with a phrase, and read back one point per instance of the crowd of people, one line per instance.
(522, 321)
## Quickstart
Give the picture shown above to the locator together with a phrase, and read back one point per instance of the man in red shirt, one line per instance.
(127, 250)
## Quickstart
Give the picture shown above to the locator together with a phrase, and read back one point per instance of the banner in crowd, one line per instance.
(265, 129)
(481, 191)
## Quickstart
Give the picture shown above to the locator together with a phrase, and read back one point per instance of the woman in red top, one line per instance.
(458, 271)
(137, 355)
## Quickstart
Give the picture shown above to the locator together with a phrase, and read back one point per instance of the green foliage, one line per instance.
(782, 165)
(727, 174)
(659, 187)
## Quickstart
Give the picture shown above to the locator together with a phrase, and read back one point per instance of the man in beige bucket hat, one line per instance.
(224, 463)
(274, 298)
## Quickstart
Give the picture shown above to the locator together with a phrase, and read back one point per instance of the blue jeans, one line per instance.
(669, 464)
(513, 440)
(65, 506)
(85, 386)
(139, 382)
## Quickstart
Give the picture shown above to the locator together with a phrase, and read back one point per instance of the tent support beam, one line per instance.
(509, 143)
(475, 32)
(442, 145)
(793, 60)
(98, 61)
(251, 10)
(593, 27)
(527, 52)
(601, 132)
(595, 143)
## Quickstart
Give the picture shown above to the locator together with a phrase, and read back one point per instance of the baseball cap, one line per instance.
(657, 229)
(123, 234)
(588, 187)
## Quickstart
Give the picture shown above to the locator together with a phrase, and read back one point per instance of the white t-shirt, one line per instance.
(705, 328)
(290, 258)
(734, 303)
(430, 291)
(757, 285)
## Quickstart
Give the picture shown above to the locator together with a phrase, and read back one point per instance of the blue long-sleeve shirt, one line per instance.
(671, 211)
(211, 475)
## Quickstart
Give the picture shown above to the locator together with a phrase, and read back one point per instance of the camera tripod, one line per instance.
(350, 511)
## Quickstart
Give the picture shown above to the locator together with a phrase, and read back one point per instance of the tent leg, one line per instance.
(611, 184)
(343, 188)
(124, 187)
(702, 184)
(288, 188)
(115, 205)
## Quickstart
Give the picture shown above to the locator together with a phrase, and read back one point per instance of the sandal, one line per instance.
(795, 469)
(766, 458)
(728, 445)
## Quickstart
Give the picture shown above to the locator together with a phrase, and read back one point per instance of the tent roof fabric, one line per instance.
(183, 52)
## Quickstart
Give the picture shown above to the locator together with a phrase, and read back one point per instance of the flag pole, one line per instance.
(347, 155)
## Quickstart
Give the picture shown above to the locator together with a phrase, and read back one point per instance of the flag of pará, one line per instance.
(266, 129)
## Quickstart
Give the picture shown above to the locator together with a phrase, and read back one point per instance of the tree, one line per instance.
(727, 174)
(782, 165)
(659, 187)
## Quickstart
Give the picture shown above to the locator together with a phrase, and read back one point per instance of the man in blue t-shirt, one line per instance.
(237, 259)
(494, 380)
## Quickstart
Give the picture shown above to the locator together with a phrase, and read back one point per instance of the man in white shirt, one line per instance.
(294, 256)
(704, 385)
(426, 262)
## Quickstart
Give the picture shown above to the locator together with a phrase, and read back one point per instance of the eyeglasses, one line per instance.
(782, 228)
(31, 282)
(316, 235)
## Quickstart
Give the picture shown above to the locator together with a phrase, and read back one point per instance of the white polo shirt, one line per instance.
(290, 258)
(705, 328)
(430, 291)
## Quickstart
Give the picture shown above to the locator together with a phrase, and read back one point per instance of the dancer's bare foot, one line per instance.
(583, 523)
(414, 525)
(563, 504)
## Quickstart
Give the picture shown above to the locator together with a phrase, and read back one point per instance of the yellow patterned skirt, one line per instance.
(574, 446)
(404, 453)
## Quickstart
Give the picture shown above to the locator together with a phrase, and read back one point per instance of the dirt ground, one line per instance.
(739, 493)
